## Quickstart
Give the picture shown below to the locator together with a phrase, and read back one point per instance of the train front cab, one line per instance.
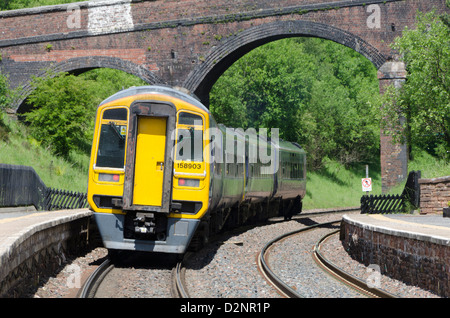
(145, 198)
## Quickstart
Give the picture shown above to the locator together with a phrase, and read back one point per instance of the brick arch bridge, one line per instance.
(190, 43)
(201, 79)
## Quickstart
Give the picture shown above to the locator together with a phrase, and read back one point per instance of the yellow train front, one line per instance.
(154, 184)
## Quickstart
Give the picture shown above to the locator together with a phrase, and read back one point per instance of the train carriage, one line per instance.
(163, 175)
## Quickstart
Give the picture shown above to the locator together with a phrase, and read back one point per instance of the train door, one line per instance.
(149, 164)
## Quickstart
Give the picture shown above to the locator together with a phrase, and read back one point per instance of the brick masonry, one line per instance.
(434, 194)
(417, 262)
(32, 252)
(190, 43)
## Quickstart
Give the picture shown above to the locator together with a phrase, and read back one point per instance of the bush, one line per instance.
(63, 112)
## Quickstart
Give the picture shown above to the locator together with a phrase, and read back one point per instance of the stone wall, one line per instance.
(418, 262)
(40, 250)
(434, 194)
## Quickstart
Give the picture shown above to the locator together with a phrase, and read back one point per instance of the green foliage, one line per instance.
(63, 112)
(319, 93)
(56, 172)
(20, 4)
(5, 98)
(425, 97)
(64, 107)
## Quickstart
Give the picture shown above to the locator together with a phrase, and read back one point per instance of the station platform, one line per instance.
(430, 228)
(19, 225)
(29, 238)
(414, 249)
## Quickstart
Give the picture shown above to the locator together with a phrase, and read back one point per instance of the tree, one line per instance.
(63, 112)
(318, 93)
(424, 99)
(64, 106)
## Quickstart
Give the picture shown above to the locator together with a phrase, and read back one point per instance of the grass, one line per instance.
(332, 186)
(337, 186)
(19, 148)
(430, 166)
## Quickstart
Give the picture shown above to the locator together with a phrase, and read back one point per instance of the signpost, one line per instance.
(367, 182)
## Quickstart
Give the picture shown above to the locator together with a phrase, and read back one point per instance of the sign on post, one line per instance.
(367, 184)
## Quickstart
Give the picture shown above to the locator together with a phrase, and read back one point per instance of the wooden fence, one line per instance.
(386, 203)
(382, 204)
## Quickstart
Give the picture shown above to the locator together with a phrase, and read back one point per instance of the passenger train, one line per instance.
(164, 176)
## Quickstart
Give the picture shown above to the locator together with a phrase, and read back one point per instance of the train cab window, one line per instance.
(190, 137)
(115, 114)
(190, 145)
(111, 146)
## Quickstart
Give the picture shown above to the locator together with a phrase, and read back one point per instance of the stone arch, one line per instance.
(221, 57)
(82, 64)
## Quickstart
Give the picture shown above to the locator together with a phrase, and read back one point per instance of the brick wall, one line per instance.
(393, 156)
(422, 263)
(38, 251)
(190, 43)
(434, 194)
(173, 39)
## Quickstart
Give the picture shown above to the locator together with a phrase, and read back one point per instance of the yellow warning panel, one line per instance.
(149, 164)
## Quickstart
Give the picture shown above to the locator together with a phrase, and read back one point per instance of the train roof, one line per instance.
(290, 146)
(156, 89)
(282, 145)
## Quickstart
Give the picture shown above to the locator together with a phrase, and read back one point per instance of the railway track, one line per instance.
(285, 290)
(179, 289)
(91, 285)
(133, 275)
(178, 281)
(344, 276)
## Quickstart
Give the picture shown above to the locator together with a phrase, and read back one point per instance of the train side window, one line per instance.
(189, 119)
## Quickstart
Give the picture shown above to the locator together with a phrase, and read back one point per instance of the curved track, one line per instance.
(339, 274)
(344, 276)
(269, 275)
(179, 288)
(90, 287)
(178, 284)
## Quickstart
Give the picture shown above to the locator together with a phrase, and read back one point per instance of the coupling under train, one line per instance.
(164, 176)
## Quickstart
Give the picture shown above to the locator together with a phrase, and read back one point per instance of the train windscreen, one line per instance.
(111, 146)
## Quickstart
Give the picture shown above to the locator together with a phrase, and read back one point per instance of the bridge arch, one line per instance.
(80, 65)
(222, 56)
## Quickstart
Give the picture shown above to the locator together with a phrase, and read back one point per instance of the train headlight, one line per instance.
(106, 177)
(188, 182)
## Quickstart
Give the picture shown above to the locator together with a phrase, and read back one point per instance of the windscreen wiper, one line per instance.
(116, 130)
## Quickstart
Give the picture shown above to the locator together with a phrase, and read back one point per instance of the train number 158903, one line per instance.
(186, 165)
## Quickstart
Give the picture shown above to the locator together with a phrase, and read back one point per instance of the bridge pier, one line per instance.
(393, 156)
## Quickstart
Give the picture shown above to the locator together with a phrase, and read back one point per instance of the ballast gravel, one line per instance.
(227, 268)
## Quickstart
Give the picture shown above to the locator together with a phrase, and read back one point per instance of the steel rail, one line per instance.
(179, 289)
(93, 282)
(344, 276)
(269, 275)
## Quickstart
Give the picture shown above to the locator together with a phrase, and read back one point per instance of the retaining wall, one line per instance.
(31, 252)
(418, 260)
(434, 194)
